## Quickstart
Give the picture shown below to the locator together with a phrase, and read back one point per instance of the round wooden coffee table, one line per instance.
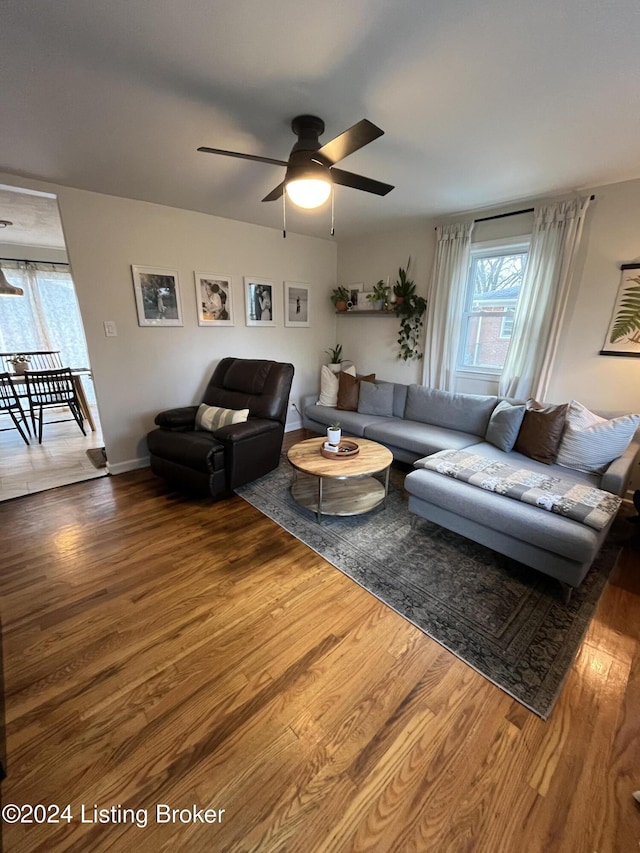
(339, 486)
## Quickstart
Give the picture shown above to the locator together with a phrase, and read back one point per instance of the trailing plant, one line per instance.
(335, 354)
(340, 294)
(627, 322)
(411, 313)
(404, 286)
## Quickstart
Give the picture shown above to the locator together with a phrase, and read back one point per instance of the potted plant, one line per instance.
(404, 286)
(379, 295)
(340, 297)
(334, 433)
(335, 356)
(20, 362)
(411, 313)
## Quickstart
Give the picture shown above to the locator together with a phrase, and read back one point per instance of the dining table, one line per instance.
(77, 373)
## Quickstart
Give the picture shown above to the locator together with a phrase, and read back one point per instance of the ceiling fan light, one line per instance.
(308, 192)
(7, 289)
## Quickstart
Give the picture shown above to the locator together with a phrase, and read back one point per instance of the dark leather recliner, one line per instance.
(215, 463)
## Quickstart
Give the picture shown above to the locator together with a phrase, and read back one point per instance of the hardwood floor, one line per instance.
(160, 650)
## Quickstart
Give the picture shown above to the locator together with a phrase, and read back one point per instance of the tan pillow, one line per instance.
(212, 418)
(541, 431)
(349, 390)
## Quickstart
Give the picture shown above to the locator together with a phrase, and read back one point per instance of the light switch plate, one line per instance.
(110, 329)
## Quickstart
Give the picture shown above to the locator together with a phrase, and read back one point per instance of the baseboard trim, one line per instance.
(127, 465)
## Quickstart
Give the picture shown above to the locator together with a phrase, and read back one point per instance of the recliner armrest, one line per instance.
(182, 419)
(235, 433)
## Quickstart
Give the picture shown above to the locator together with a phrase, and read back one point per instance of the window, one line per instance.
(493, 289)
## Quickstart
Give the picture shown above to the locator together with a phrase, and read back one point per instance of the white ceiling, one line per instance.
(482, 103)
(35, 220)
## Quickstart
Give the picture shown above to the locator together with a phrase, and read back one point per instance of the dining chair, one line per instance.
(52, 389)
(10, 404)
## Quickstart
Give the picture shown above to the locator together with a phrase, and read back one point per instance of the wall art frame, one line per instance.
(157, 293)
(260, 301)
(214, 299)
(623, 334)
(297, 304)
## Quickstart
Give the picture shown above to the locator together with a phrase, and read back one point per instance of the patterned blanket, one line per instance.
(578, 501)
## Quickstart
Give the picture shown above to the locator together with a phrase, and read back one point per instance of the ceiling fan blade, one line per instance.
(254, 157)
(355, 137)
(275, 193)
(359, 182)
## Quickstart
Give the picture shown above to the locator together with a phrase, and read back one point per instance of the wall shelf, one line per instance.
(366, 314)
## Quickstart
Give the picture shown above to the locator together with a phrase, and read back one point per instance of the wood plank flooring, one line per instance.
(161, 650)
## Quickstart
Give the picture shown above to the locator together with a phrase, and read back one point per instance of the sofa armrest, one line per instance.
(616, 478)
(182, 419)
(308, 400)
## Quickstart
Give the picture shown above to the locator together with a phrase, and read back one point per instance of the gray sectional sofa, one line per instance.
(422, 421)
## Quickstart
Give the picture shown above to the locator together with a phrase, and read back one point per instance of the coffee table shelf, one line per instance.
(339, 486)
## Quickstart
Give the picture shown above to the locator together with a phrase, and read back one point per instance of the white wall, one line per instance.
(145, 370)
(370, 342)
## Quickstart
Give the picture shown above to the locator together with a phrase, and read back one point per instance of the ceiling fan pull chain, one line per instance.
(284, 216)
(333, 196)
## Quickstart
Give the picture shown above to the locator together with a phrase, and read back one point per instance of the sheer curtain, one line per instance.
(47, 317)
(555, 240)
(445, 304)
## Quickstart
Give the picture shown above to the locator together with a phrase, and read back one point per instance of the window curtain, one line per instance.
(539, 316)
(47, 317)
(446, 303)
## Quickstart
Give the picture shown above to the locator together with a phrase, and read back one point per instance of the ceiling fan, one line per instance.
(311, 168)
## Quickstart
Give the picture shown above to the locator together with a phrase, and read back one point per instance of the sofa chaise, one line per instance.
(417, 422)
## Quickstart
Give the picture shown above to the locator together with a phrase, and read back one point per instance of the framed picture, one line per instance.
(623, 334)
(356, 295)
(260, 303)
(296, 304)
(157, 296)
(214, 299)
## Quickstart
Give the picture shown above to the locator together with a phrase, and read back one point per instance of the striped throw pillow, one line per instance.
(590, 443)
(213, 417)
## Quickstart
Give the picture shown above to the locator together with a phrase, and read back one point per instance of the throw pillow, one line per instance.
(504, 425)
(329, 386)
(213, 417)
(591, 443)
(541, 431)
(349, 390)
(376, 398)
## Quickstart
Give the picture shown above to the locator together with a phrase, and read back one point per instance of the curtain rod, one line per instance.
(27, 261)
(513, 213)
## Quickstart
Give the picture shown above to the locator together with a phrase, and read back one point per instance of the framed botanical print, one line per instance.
(214, 299)
(296, 304)
(157, 296)
(260, 303)
(623, 334)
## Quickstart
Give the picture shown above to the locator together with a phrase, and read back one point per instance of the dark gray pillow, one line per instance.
(376, 399)
(504, 425)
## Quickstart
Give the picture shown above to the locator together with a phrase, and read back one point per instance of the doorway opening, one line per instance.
(40, 322)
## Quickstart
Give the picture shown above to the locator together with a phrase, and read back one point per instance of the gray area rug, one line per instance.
(505, 620)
